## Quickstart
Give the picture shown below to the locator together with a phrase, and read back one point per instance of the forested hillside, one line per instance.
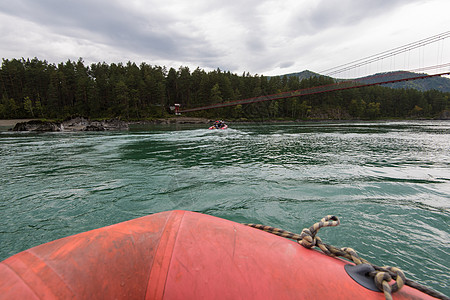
(33, 88)
(433, 83)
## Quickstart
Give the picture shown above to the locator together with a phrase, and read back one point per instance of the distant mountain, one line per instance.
(302, 75)
(433, 83)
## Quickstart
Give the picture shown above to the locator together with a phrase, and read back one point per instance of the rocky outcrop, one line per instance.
(37, 125)
(83, 124)
(73, 124)
(445, 115)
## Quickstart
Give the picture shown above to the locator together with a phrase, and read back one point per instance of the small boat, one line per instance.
(220, 128)
(180, 255)
(219, 125)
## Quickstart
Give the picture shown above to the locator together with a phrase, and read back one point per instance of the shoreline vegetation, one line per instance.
(36, 89)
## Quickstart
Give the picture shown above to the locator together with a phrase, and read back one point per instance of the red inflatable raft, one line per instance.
(219, 128)
(179, 255)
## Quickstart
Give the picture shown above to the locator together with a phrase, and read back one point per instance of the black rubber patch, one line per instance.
(358, 274)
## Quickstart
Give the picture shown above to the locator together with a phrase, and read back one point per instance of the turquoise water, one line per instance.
(389, 182)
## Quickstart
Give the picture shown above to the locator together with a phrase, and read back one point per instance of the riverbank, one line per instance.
(84, 124)
(13, 122)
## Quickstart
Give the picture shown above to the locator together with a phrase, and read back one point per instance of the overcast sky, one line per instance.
(256, 36)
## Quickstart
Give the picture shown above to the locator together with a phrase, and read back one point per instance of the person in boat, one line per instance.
(219, 124)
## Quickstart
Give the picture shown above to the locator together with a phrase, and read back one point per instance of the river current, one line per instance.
(388, 182)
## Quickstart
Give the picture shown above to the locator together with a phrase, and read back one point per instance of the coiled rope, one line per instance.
(381, 275)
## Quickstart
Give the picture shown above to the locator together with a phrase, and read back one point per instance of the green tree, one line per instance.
(373, 110)
(184, 86)
(273, 108)
(238, 112)
(216, 94)
(28, 106)
(172, 86)
(357, 108)
(304, 109)
(121, 100)
(9, 109)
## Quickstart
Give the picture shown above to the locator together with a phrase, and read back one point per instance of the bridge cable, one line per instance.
(385, 54)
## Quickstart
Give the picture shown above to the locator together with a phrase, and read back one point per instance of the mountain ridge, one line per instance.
(438, 83)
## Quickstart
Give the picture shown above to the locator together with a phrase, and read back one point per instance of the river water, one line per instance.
(388, 182)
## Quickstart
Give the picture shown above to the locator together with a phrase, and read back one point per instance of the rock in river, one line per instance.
(73, 124)
(37, 125)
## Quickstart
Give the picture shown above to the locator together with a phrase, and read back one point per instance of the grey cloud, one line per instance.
(255, 44)
(107, 22)
(150, 33)
(335, 13)
(286, 64)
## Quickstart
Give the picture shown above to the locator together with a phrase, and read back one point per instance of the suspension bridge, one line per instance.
(437, 70)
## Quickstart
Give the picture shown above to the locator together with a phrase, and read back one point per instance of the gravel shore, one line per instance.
(12, 123)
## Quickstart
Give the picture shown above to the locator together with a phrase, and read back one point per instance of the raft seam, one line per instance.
(20, 277)
(54, 272)
(161, 263)
(172, 249)
(154, 257)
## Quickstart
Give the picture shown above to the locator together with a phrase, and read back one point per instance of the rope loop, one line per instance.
(307, 239)
(382, 282)
(308, 235)
(399, 277)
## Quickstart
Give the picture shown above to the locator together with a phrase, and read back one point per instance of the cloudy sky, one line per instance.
(269, 37)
